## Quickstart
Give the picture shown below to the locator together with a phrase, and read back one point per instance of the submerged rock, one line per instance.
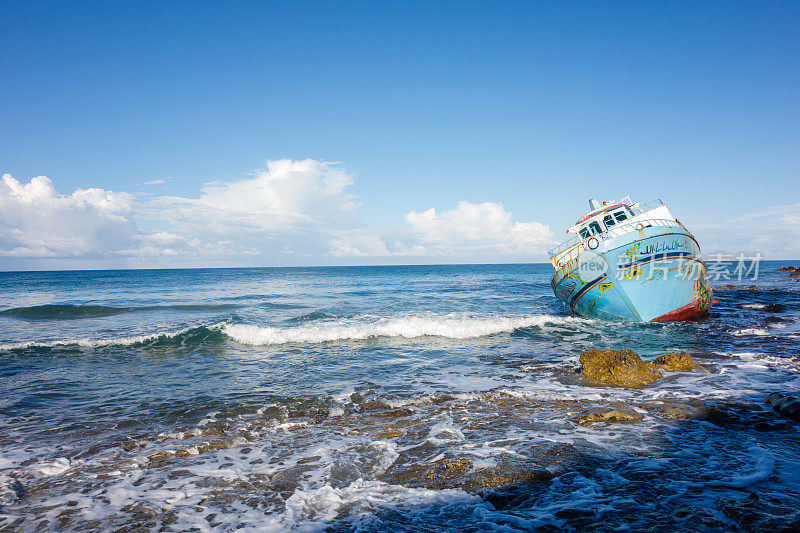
(460, 473)
(786, 405)
(762, 514)
(795, 274)
(618, 368)
(610, 416)
(676, 362)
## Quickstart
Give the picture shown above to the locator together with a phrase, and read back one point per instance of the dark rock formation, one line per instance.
(795, 274)
(618, 368)
(787, 268)
(736, 287)
(762, 514)
(459, 472)
(676, 362)
(609, 416)
(786, 405)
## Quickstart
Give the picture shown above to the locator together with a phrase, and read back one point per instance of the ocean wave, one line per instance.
(309, 317)
(768, 308)
(63, 311)
(193, 336)
(449, 326)
(71, 311)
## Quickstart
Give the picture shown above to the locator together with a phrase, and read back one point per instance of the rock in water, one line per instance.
(618, 368)
(787, 268)
(795, 274)
(736, 287)
(676, 362)
(610, 416)
(786, 405)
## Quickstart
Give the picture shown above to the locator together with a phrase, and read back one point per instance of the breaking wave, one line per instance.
(195, 336)
(450, 326)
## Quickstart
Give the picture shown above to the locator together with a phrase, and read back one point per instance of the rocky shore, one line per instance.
(624, 368)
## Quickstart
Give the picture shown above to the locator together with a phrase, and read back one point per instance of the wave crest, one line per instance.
(447, 326)
(450, 326)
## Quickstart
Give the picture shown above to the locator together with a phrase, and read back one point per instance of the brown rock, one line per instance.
(618, 368)
(737, 287)
(795, 274)
(458, 472)
(499, 477)
(676, 362)
(677, 414)
(448, 469)
(610, 416)
(390, 434)
(787, 268)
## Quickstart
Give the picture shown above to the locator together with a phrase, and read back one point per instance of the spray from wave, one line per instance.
(451, 326)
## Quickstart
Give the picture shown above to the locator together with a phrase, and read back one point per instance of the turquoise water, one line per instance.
(378, 398)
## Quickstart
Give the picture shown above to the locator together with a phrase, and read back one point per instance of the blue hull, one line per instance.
(651, 274)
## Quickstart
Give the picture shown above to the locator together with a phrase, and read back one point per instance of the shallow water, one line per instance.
(381, 398)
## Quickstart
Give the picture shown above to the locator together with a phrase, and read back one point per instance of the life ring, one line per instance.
(589, 243)
(639, 226)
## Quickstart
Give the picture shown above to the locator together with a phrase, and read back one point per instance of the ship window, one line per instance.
(608, 220)
(620, 216)
(584, 233)
(595, 227)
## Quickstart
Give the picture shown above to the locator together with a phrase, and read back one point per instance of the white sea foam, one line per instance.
(452, 326)
(444, 433)
(58, 466)
(318, 506)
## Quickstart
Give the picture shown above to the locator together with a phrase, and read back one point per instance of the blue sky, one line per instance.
(531, 106)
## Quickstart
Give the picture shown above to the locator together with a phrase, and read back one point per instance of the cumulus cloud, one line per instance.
(469, 232)
(476, 228)
(359, 243)
(289, 206)
(37, 221)
(300, 209)
(285, 194)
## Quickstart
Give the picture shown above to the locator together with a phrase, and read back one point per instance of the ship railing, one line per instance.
(570, 249)
(650, 205)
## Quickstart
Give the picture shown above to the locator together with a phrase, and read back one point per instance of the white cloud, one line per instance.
(286, 194)
(159, 181)
(485, 228)
(298, 209)
(773, 232)
(363, 243)
(37, 221)
(289, 208)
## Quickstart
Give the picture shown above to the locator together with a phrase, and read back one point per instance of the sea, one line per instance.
(390, 398)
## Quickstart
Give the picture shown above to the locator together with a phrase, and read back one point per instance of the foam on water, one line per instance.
(452, 326)
(433, 400)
